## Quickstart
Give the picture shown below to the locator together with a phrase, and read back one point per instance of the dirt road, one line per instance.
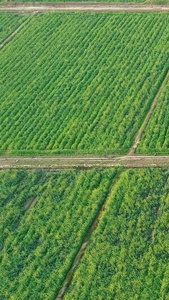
(30, 7)
(66, 162)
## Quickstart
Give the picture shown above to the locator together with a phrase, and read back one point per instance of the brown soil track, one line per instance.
(32, 7)
(30, 203)
(83, 162)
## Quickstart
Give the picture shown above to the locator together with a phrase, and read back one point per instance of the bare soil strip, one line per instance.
(84, 245)
(83, 162)
(12, 35)
(30, 7)
(147, 118)
(30, 203)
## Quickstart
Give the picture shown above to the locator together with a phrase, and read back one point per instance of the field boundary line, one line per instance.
(31, 7)
(86, 240)
(13, 34)
(148, 116)
(54, 163)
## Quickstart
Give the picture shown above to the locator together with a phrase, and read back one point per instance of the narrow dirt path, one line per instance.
(147, 118)
(12, 35)
(83, 162)
(85, 243)
(30, 7)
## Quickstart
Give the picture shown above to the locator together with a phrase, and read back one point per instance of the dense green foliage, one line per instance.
(80, 81)
(156, 136)
(128, 256)
(8, 23)
(43, 220)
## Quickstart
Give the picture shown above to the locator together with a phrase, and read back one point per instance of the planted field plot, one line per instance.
(156, 136)
(80, 82)
(43, 220)
(8, 23)
(128, 256)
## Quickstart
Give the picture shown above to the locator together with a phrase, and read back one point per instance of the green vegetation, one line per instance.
(43, 220)
(128, 255)
(156, 136)
(80, 82)
(8, 23)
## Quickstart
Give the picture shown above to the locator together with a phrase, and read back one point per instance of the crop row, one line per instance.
(81, 82)
(43, 220)
(128, 254)
(8, 23)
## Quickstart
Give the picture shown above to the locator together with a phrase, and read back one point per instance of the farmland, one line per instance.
(83, 99)
(89, 91)
(43, 219)
(8, 23)
(128, 255)
(156, 136)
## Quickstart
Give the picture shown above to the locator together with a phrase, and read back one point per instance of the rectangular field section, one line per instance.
(155, 139)
(128, 255)
(80, 82)
(43, 220)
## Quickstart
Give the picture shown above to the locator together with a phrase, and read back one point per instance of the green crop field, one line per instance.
(8, 23)
(128, 255)
(156, 136)
(43, 220)
(80, 82)
(45, 217)
(84, 83)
